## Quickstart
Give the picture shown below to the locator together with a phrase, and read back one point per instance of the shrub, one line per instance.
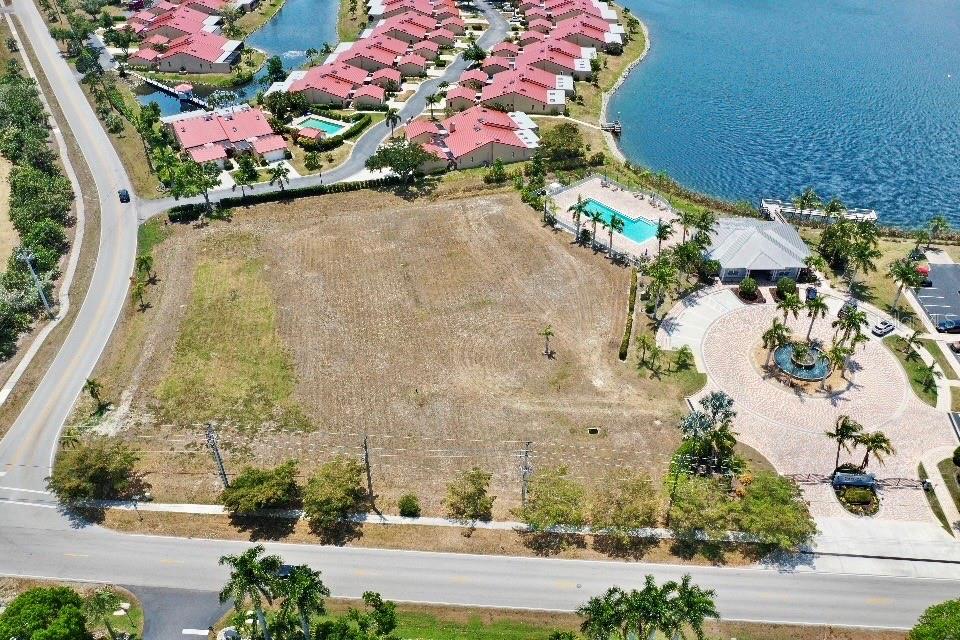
(255, 489)
(497, 174)
(334, 493)
(956, 457)
(467, 497)
(597, 159)
(54, 613)
(938, 622)
(409, 505)
(858, 495)
(773, 510)
(748, 288)
(97, 470)
(554, 500)
(625, 504)
(786, 287)
(700, 506)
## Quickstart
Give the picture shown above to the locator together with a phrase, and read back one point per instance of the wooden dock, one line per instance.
(156, 84)
(613, 127)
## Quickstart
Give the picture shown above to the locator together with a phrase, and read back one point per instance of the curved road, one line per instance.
(36, 539)
(366, 144)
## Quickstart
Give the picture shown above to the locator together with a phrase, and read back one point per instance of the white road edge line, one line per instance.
(196, 632)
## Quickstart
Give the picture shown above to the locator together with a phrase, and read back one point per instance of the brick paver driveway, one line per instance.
(788, 427)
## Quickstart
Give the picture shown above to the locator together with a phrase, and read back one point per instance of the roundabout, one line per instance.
(785, 416)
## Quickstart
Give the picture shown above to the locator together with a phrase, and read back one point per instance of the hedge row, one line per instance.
(40, 203)
(625, 343)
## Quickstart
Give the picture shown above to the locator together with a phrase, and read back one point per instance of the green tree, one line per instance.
(664, 233)
(563, 147)
(663, 277)
(876, 444)
(144, 266)
(377, 621)
(432, 100)
(474, 52)
(554, 500)
(274, 70)
(45, 613)
(546, 333)
(790, 304)
(409, 505)
(623, 504)
(773, 510)
(816, 308)
(643, 342)
(246, 173)
(392, 119)
(401, 156)
(578, 211)
(280, 174)
(938, 226)
(904, 273)
(845, 432)
(192, 179)
(313, 160)
(255, 489)
(253, 579)
(303, 594)
(468, 497)
(99, 608)
(837, 355)
(138, 289)
(95, 389)
(938, 622)
(100, 469)
(684, 358)
(334, 493)
(709, 428)
(616, 224)
(691, 606)
(808, 200)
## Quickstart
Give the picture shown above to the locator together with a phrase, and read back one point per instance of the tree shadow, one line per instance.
(623, 548)
(547, 544)
(339, 534)
(421, 186)
(263, 527)
(689, 548)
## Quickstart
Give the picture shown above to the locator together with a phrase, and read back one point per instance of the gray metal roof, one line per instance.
(746, 243)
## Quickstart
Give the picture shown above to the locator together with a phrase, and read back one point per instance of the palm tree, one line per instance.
(923, 238)
(433, 99)
(876, 444)
(653, 357)
(690, 606)
(938, 225)
(911, 341)
(392, 119)
(595, 217)
(835, 207)
(252, 578)
(643, 342)
(686, 219)
(705, 224)
(144, 265)
(137, 292)
(815, 262)
(663, 275)
(100, 606)
(905, 274)
(577, 211)
(863, 257)
(845, 431)
(664, 231)
(816, 307)
(775, 337)
(546, 333)
(790, 304)
(928, 381)
(280, 173)
(616, 224)
(164, 163)
(94, 388)
(808, 200)
(852, 322)
(303, 593)
(836, 355)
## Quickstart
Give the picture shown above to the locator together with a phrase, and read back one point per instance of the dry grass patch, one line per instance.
(414, 322)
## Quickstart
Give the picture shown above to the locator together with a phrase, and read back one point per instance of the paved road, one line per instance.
(366, 144)
(37, 540)
(26, 451)
(173, 611)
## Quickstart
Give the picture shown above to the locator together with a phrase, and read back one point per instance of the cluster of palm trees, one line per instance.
(849, 434)
(143, 275)
(255, 579)
(710, 428)
(669, 609)
(849, 330)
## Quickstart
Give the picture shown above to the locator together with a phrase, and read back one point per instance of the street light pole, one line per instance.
(26, 256)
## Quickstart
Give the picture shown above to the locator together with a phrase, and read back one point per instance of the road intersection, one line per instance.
(38, 540)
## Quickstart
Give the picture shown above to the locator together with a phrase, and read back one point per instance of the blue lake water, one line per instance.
(759, 98)
(298, 26)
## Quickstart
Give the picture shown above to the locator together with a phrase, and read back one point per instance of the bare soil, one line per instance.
(412, 321)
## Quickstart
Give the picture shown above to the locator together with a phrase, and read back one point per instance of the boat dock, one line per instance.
(185, 94)
(613, 127)
(782, 211)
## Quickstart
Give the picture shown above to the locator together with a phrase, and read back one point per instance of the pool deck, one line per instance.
(631, 204)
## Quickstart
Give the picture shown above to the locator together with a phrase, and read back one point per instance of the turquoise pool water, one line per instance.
(638, 230)
(329, 128)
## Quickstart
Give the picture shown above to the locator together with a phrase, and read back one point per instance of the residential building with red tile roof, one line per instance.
(588, 32)
(542, 25)
(200, 52)
(427, 49)
(412, 65)
(443, 37)
(454, 24)
(461, 97)
(480, 136)
(210, 7)
(369, 95)
(179, 22)
(531, 37)
(384, 77)
(475, 78)
(402, 30)
(422, 130)
(493, 65)
(368, 57)
(505, 49)
(517, 91)
(558, 56)
(321, 89)
(236, 129)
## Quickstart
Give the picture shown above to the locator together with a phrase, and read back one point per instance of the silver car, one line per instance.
(882, 328)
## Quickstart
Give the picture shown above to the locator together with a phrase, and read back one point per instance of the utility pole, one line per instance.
(526, 470)
(26, 256)
(215, 449)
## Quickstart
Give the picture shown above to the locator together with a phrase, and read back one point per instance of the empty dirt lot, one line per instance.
(300, 327)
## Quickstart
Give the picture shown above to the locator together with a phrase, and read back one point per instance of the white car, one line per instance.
(882, 328)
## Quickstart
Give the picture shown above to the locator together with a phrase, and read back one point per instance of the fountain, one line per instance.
(807, 364)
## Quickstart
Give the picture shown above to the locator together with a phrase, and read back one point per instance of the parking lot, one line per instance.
(941, 300)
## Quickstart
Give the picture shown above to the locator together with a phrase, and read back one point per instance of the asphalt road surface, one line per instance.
(37, 540)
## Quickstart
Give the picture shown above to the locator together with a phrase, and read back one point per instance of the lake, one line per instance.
(746, 99)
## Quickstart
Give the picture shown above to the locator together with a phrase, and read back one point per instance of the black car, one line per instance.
(124, 195)
(948, 326)
(811, 293)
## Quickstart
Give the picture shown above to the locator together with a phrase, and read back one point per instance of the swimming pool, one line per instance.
(329, 127)
(637, 229)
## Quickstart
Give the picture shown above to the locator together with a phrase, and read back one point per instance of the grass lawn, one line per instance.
(250, 62)
(255, 19)
(914, 369)
(933, 502)
(954, 398)
(949, 472)
(331, 159)
(351, 20)
(934, 348)
(150, 234)
(229, 363)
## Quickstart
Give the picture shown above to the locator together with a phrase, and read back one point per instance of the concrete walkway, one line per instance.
(687, 322)
(930, 461)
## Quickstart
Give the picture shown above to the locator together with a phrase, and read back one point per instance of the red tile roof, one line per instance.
(475, 75)
(326, 84)
(207, 153)
(268, 143)
(506, 49)
(420, 127)
(477, 127)
(205, 46)
(233, 127)
(413, 58)
(370, 91)
(387, 73)
(462, 92)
